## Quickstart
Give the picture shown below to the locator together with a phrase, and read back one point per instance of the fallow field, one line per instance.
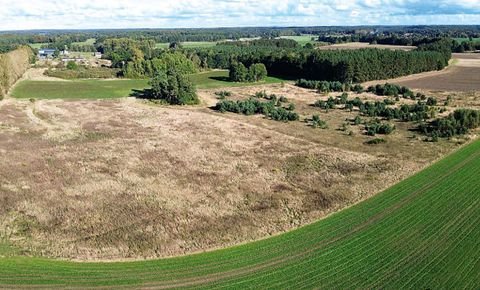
(463, 75)
(421, 233)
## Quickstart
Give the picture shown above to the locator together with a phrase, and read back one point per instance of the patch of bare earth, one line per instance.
(118, 179)
(463, 75)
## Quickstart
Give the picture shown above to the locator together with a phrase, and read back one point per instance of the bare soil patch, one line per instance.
(462, 75)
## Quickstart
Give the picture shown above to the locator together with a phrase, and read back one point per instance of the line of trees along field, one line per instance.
(12, 66)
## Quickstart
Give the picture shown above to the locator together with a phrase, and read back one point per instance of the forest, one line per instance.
(345, 66)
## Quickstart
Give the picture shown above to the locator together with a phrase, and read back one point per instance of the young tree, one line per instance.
(238, 72)
(173, 87)
(257, 72)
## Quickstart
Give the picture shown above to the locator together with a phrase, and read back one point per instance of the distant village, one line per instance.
(65, 56)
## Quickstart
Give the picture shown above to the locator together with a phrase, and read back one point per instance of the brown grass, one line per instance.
(117, 179)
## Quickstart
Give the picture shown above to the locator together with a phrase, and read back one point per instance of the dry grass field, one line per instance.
(119, 179)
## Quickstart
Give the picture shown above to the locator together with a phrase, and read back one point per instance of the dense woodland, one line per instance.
(346, 66)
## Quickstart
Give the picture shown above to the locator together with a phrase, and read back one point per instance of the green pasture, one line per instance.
(89, 41)
(77, 89)
(302, 39)
(102, 89)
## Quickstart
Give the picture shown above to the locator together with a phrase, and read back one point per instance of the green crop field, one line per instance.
(422, 233)
(101, 89)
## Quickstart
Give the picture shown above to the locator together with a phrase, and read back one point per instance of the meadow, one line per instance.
(118, 88)
(302, 39)
(421, 233)
(89, 41)
(37, 45)
(467, 39)
(77, 89)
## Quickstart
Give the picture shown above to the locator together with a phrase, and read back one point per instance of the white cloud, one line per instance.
(24, 14)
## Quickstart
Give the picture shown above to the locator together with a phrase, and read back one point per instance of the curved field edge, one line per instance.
(421, 233)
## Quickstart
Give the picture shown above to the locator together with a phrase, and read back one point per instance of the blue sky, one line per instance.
(53, 14)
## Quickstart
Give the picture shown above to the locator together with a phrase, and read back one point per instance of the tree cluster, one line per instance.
(457, 123)
(377, 127)
(255, 73)
(271, 109)
(174, 88)
(145, 68)
(329, 86)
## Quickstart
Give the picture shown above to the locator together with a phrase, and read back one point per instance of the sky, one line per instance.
(95, 14)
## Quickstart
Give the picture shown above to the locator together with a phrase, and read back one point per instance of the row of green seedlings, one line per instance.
(271, 106)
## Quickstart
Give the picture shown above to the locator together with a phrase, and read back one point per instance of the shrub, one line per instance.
(71, 65)
(376, 141)
(376, 127)
(254, 106)
(316, 122)
(223, 94)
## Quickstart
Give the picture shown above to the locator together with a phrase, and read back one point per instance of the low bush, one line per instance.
(376, 127)
(376, 141)
(254, 106)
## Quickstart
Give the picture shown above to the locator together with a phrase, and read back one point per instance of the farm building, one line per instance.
(46, 53)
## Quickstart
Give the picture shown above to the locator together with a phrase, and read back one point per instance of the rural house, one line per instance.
(46, 52)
